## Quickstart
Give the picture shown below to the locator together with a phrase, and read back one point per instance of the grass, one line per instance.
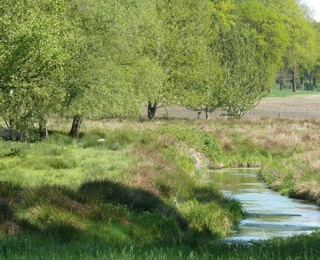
(277, 93)
(302, 247)
(134, 185)
(287, 151)
(139, 193)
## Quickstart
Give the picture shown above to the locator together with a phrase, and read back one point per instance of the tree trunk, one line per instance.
(76, 125)
(282, 79)
(152, 109)
(311, 77)
(281, 84)
(207, 112)
(294, 86)
(43, 130)
(302, 84)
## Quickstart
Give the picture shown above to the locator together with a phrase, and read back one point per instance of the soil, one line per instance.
(298, 106)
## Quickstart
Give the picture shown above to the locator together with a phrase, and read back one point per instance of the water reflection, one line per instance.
(269, 213)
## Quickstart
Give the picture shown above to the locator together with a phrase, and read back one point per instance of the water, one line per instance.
(269, 213)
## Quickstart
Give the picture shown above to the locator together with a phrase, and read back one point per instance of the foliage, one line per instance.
(34, 56)
(244, 76)
(108, 58)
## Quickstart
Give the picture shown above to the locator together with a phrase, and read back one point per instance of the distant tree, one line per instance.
(303, 50)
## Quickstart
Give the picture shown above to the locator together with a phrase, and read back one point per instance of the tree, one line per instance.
(190, 63)
(173, 59)
(104, 86)
(204, 96)
(244, 82)
(34, 54)
(269, 26)
(302, 51)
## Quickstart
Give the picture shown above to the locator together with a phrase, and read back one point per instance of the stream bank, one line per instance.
(268, 213)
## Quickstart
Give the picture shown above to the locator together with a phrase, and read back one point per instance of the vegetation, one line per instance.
(128, 189)
(109, 58)
(121, 189)
(124, 187)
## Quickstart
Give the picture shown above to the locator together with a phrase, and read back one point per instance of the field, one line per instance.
(291, 106)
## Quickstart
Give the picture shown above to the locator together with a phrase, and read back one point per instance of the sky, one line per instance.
(315, 5)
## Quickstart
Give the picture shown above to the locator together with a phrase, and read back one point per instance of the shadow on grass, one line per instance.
(135, 199)
(59, 212)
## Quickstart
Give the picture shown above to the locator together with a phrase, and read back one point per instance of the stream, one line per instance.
(269, 213)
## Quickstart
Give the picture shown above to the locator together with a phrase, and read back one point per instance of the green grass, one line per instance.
(132, 189)
(303, 247)
(139, 195)
(277, 93)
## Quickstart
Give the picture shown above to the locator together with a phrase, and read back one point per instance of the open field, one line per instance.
(292, 106)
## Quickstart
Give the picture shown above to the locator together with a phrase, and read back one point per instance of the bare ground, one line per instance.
(299, 106)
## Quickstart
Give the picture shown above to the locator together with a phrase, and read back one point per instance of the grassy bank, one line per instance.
(125, 184)
(287, 150)
(128, 190)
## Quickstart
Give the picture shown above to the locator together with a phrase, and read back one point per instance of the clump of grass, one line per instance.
(193, 138)
(112, 140)
(64, 225)
(8, 195)
(12, 149)
(108, 191)
(61, 162)
(9, 190)
(7, 212)
(59, 138)
(155, 227)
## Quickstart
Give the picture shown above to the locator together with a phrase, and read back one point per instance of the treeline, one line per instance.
(97, 59)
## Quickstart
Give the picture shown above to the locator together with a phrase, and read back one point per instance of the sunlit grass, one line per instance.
(67, 165)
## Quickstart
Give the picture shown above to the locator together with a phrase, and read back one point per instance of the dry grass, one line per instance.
(292, 147)
(153, 171)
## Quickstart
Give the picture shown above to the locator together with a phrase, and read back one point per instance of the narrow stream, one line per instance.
(269, 213)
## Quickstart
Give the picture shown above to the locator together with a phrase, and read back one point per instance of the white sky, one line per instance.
(314, 5)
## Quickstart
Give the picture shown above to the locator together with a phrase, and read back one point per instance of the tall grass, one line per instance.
(303, 247)
(287, 151)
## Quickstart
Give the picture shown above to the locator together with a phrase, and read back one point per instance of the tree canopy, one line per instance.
(97, 59)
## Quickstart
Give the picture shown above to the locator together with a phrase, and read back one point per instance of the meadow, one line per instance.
(134, 189)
